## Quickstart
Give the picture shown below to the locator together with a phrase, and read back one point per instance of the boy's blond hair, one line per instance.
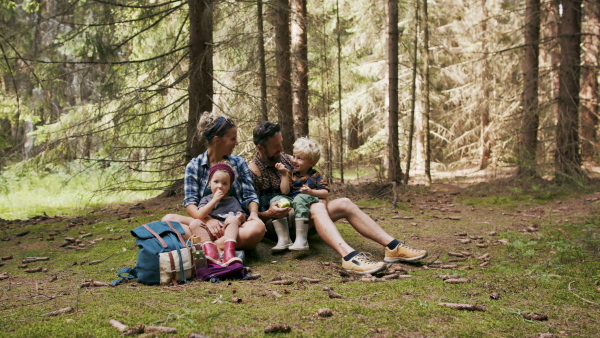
(309, 148)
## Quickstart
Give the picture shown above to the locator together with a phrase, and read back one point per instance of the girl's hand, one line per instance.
(241, 217)
(218, 195)
(215, 228)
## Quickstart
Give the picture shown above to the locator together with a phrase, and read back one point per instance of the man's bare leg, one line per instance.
(365, 225)
(327, 230)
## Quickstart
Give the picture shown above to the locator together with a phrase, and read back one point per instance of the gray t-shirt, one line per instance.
(224, 208)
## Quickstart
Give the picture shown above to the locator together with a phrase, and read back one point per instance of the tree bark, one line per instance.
(589, 81)
(300, 68)
(339, 64)
(485, 151)
(529, 102)
(427, 109)
(394, 170)
(283, 66)
(568, 158)
(201, 71)
(413, 94)
(261, 59)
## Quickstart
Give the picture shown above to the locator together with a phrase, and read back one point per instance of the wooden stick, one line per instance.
(118, 325)
(58, 312)
(162, 329)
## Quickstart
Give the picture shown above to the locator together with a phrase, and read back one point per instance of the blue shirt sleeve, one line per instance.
(191, 185)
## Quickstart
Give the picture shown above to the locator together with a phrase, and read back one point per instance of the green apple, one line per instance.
(283, 203)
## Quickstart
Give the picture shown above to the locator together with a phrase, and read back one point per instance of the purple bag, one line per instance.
(215, 273)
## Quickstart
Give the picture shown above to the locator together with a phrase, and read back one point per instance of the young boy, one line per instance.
(302, 186)
(224, 208)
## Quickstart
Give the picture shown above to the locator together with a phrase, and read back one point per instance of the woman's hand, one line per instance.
(254, 217)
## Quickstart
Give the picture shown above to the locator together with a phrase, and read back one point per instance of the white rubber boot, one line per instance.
(301, 243)
(283, 235)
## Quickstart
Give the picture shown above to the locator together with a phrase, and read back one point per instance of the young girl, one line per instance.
(220, 215)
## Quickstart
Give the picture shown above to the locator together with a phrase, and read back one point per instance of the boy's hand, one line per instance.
(281, 168)
(306, 190)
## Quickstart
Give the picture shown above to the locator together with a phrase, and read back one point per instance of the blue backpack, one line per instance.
(152, 239)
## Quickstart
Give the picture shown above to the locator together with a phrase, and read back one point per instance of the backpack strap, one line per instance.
(173, 271)
(177, 233)
(162, 242)
(130, 274)
(181, 268)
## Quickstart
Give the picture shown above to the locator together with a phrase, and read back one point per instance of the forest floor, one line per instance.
(528, 254)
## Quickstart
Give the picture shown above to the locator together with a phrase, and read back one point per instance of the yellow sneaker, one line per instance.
(403, 252)
(361, 264)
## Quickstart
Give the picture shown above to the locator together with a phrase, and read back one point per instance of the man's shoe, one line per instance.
(361, 264)
(403, 252)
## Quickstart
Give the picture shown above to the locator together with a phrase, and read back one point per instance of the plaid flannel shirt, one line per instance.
(196, 180)
(313, 179)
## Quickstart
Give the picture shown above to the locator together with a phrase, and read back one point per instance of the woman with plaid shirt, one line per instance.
(220, 133)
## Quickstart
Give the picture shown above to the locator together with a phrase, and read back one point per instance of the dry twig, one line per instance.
(578, 296)
(468, 307)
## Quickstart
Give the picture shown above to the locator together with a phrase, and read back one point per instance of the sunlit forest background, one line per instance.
(99, 97)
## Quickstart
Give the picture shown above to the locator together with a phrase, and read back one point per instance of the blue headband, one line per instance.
(220, 124)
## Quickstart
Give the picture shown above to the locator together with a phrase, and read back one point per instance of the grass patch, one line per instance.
(531, 272)
(27, 194)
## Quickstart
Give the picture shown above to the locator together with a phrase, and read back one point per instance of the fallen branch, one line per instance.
(4, 276)
(118, 325)
(162, 329)
(58, 312)
(5, 258)
(457, 280)
(34, 259)
(578, 296)
(38, 269)
(282, 282)
(468, 307)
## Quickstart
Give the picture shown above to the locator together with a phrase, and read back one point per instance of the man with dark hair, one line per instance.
(269, 147)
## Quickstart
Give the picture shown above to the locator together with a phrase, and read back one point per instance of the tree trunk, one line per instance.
(261, 60)
(339, 64)
(485, 107)
(413, 94)
(589, 81)
(426, 131)
(282, 63)
(201, 71)
(530, 115)
(300, 68)
(568, 158)
(394, 170)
